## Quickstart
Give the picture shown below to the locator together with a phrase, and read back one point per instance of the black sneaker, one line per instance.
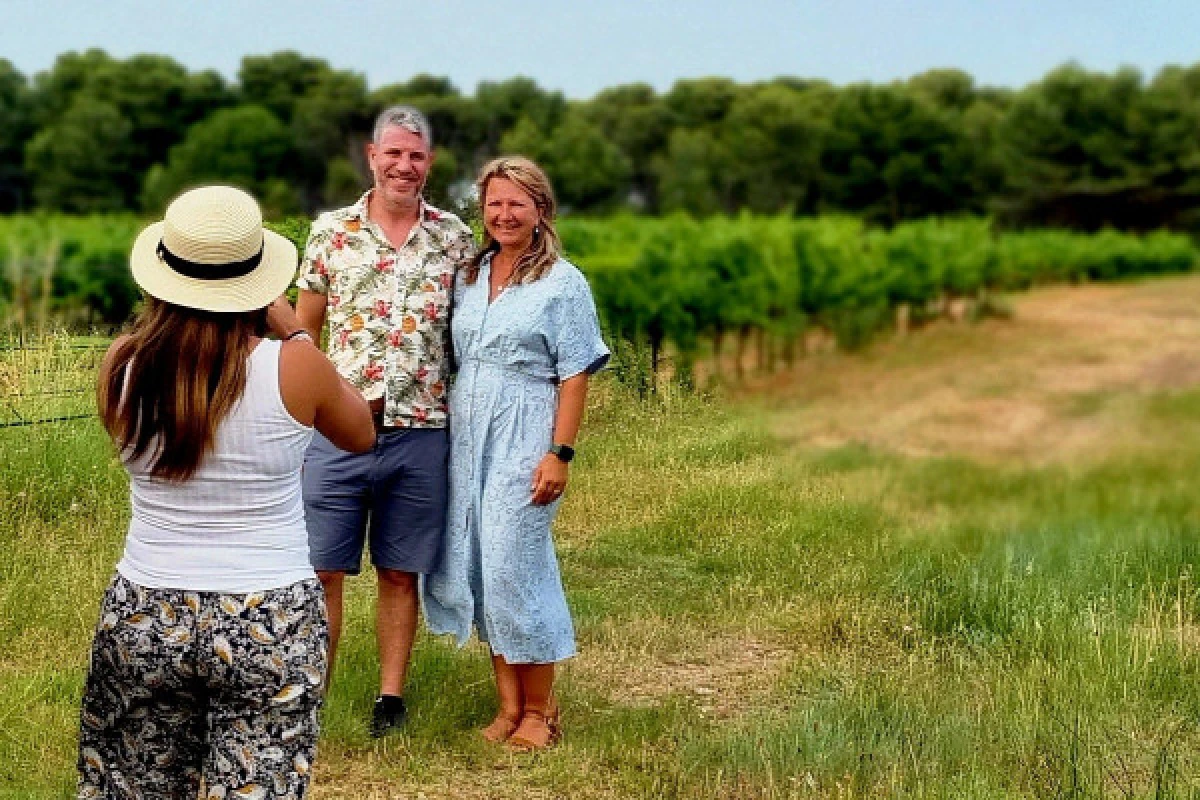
(388, 715)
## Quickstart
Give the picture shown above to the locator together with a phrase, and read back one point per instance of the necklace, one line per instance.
(496, 288)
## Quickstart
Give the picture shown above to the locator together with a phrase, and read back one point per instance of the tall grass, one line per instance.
(48, 376)
(754, 622)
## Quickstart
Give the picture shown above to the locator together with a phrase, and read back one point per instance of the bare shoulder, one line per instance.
(301, 357)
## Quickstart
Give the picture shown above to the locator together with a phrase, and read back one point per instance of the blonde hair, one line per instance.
(546, 247)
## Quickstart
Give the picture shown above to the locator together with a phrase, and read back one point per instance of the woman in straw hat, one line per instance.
(209, 657)
(526, 339)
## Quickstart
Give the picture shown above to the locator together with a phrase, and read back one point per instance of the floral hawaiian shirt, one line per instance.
(388, 308)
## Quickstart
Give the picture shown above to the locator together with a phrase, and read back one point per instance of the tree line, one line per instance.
(1078, 149)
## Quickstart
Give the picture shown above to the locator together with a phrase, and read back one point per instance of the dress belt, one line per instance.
(515, 370)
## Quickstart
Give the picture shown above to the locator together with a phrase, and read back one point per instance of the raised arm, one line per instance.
(316, 395)
(310, 312)
(309, 315)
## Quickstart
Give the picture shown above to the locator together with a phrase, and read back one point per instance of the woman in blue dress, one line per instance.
(526, 339)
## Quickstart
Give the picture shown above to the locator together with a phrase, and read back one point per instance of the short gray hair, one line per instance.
(406, 117)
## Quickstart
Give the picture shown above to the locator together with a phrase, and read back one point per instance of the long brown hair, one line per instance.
(169, 384)
(546, 247)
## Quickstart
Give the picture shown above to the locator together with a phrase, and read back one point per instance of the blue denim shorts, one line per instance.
(393, 496)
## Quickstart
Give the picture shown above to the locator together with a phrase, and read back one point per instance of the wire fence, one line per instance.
(48, 379)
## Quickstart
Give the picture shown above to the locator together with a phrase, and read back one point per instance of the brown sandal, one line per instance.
(549, 718)
(499, 729)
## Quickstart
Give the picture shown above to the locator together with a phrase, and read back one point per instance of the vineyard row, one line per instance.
(676, 281)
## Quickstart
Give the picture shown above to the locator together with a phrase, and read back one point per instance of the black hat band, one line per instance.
(209, 272)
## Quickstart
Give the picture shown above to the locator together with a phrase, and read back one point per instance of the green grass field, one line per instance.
(960, 564)
(52, 377)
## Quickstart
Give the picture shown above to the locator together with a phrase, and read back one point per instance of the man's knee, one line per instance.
(331, 581)
(394, 580)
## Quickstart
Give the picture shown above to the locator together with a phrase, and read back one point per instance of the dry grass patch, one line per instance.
(724, 674)
(378, 774)
(1002, 390)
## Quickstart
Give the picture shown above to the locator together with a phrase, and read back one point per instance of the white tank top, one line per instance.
(237, 525)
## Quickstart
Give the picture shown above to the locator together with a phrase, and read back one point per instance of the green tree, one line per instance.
(344, 184)
(16, 125)
(980, 124)
(54, 90)
(79, 163)
(587, 169)
(330, 120)
(690, 173)
(245, 146)
(205, 92)
(638, 122)
(326, 112)
(774, 135)
(441, 185)
(154, 94)
(433, 94)
(950, 89)
(1088, 150)
(1167, 124)
(159, 99)
(975, 113)
(891, 155)
(278, 81)
(503, 104)
(701, 102)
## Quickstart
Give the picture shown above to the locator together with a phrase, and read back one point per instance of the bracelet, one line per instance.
(299, 333)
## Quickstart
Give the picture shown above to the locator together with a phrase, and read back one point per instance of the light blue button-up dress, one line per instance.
(498, 569)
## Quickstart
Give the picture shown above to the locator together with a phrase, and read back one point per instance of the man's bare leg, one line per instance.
(332, 583)
(395, 628)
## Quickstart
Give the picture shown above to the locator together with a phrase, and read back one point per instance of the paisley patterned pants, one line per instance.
(187, 686)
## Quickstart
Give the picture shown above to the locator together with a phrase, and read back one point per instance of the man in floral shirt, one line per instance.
(381, 272)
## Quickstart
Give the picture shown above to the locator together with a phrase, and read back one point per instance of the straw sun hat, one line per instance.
(210, 252)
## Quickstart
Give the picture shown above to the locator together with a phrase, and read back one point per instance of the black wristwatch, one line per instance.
(564, 452)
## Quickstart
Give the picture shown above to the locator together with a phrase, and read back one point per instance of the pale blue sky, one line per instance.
(582, 47)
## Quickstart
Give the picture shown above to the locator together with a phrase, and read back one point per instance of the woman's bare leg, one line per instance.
(539, 716)
(508, 689)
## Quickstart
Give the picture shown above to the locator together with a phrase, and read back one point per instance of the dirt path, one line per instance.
(1056, 381)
